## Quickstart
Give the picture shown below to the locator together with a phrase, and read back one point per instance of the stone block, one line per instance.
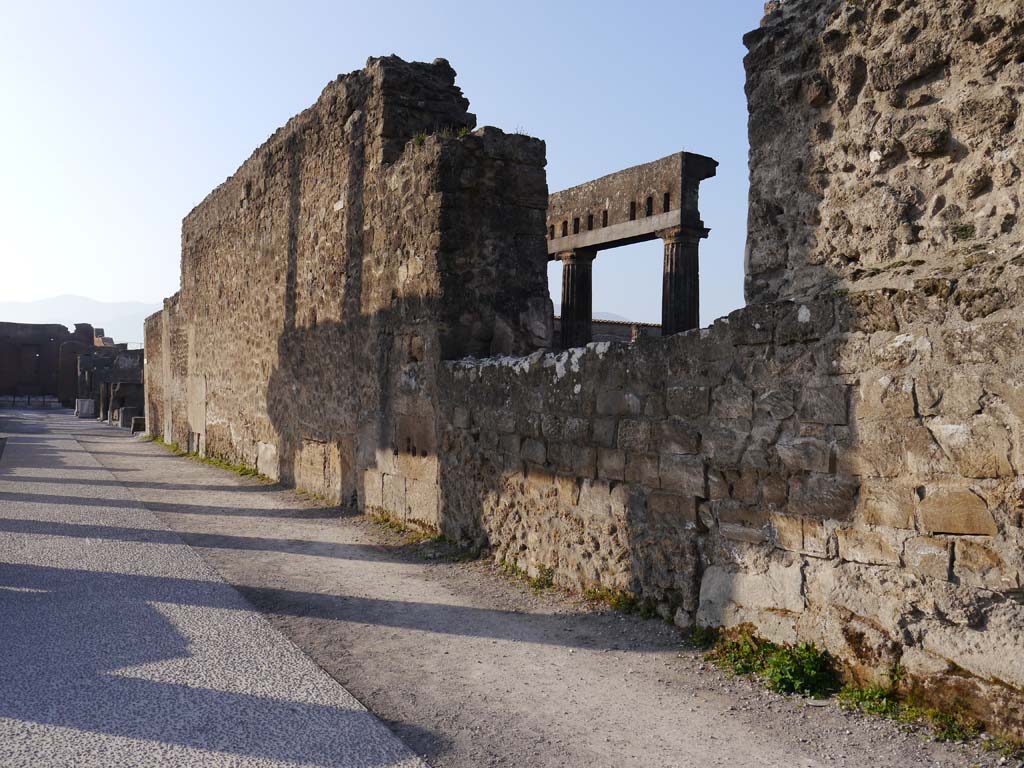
(605, 429)
(562, 456)
(804, 454)
(85, 408)
(954, 397)
(611, 464)
(267, 462)
(787, 532)
(752, 324)
(868, 547)
(675, 435)
(684, 474)
(504, 422)
(509, 445)
(887, 503)
(880, 396)
(421, 502)
(927, 557)
(723, 446)
(824, 404)
(777, 404)
(642, 468)
(616, 402)
(803, 321)
(976, 565)
(978, 447)
(551, 426)
(687, 401)
(533, 451)
(955, 510)
(394, 495)
(635, 435)
(373, 489)
(576, 430)
(818, 541)
(825, 497)
(461, 418)
(673, 507)
(732, 401)
(778, 588)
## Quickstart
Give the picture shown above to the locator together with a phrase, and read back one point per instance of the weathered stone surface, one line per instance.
(887, 503)
(928, 556)
(868, 547)
(804, 453)
(779, 588)
(685, 474)
(955, 510)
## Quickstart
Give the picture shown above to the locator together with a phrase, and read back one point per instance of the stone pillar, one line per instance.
(577, 297)
(680, 297)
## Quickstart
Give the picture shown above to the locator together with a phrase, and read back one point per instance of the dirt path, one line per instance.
(472, 669)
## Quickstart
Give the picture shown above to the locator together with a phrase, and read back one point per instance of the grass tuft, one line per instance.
(804, 669)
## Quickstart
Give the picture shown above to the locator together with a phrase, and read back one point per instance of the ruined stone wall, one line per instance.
(41, 359)
(368, 238)
(885, 143)
(840, 461)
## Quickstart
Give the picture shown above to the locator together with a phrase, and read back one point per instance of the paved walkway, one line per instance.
(120, 646)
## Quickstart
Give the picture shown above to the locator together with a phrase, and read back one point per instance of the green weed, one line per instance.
(625, 602)
(703, 637)
(803, 668)
(545, 579)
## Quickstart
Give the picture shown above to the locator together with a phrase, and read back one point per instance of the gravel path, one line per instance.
(468, 667)
(119, 646)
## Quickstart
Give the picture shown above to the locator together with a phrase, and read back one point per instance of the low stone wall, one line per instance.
(843, 471)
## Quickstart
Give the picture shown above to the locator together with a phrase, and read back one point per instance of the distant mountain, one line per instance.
(120, 319)
(597, 315)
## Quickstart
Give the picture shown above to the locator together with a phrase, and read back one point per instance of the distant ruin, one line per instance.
(364, 313)
(46, 366)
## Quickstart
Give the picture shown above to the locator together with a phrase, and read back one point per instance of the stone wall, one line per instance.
(371, 236)
(884, 141)
(811, 468)
(40, 359)
(363, 313)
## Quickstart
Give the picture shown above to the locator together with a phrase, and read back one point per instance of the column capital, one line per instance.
(576, 255)
(685, 235)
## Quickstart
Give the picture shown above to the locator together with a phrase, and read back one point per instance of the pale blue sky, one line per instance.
(117, 118)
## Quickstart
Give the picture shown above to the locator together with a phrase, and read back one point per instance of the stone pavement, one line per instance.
(127, 649)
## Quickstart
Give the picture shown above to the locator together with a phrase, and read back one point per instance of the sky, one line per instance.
(116, 119)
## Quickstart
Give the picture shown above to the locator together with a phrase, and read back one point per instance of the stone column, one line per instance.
(680, 297)
(577, 297)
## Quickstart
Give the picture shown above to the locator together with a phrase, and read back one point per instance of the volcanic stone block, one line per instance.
(685, 474)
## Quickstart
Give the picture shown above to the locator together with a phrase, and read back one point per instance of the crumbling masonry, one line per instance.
(363, 312)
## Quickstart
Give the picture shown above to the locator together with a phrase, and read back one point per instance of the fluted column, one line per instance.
(680, 297)
(577, 297)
